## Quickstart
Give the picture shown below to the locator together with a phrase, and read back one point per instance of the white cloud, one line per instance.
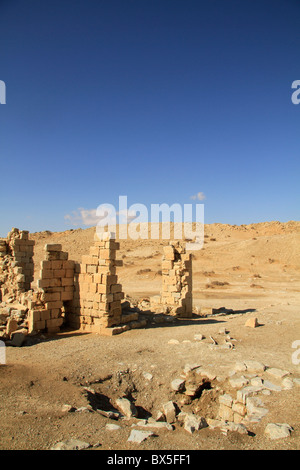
(82, 217)
(200, 196)
(89, 216)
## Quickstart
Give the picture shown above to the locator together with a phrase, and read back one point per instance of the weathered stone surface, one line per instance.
(169, 410)
(11, 326)
(226, 399)
(147, 376)
(226, 413)
(71, 444)
(126, 407)
(138, 436)
(198, 337)
(278, 430)
(278, 373)
(173, 341)
(256, 381)
(255, 411)
(270, 386)
(178, 385)
(238, 382)
(254, 366)
(246, 392)
(252, 323)
(112, 427)
(194, 423)
(287, 383)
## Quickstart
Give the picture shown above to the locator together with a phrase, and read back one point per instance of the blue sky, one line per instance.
(158, 100)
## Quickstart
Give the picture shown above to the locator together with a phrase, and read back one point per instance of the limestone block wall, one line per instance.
(98, 295)
(16, 264)
(176, 293)
(56, 284)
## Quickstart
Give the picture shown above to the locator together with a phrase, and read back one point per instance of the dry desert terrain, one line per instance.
(253, 271)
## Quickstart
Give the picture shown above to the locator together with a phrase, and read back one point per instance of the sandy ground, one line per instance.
(257, 269)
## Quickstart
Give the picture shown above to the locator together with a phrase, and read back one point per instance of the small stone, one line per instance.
(169, 412)
(223, 331)
(83, 409)
(235, 427)
(71, 444)
(256, 382)
(194, 423)
(240, 367)
(270, 386)
(11, 326)
(278, 373)
(177, 385)
(160, 417)
(278, 431)
(126, 407)
(67, 408)
(112, 427)
(287, 383)
(147, 376)
(173, 341)
(138, 436)
(252, 323)
(199, 337)
(255, 366)
(238, 382)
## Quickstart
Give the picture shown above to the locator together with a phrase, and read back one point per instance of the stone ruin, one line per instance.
(85, 296)
(176, 295)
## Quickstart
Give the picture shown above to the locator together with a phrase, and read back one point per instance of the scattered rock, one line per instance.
(252, 323)
(112, 427)
(256, 382)
(71, 444)
(199, 337)
(194, 423)
(238, 382)
(137, 436)
(278, 373)
(68, 408)
(178, 385)
(173, 341)
(126, 407)
(147, 376)
(11, 326)
(278, 431)
(287, 383)
(254, 366)
(169, 410)
(270, 386)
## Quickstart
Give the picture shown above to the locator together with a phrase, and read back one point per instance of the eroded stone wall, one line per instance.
(176, 293)
(16, 264)
(98, 295)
